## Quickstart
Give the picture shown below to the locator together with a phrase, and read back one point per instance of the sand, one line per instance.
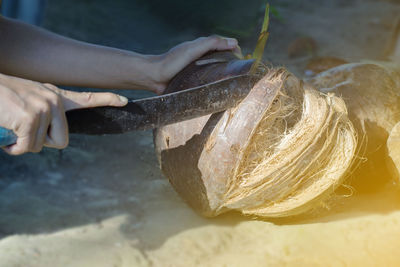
(104, 202)
(172, 235)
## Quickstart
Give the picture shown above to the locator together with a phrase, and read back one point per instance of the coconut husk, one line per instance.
(371, 91)
(282, 150)
(393, 146)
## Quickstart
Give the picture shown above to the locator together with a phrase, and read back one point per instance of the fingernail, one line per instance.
(123, 99)
(232, 42)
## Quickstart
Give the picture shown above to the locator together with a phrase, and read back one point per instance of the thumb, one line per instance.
(76, 100)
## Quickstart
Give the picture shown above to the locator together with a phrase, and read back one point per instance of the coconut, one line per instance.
(281, 151)
(393, 145)
(371, 91)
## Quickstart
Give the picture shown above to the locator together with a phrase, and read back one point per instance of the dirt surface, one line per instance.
(104, 202)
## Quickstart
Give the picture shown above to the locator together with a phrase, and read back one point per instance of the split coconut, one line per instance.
(279, 152)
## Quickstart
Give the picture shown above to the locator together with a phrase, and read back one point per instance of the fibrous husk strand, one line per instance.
(284, 148)
(298, 145)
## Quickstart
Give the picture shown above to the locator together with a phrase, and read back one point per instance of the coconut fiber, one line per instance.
(280, 152)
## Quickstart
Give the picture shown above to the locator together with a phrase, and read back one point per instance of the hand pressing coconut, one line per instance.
(32, 60)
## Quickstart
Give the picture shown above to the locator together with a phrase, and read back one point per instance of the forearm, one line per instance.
(32, 53)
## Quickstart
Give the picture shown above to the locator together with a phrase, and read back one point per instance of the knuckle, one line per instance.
(214, 38)
(62, 93)
(37, 106)
(29, 118)
(44, 108)
(51, 86)
(89, 96)
(54, 99)
(209, 40)
(201, 39)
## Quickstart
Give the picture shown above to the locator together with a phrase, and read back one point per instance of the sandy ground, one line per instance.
(104, 202)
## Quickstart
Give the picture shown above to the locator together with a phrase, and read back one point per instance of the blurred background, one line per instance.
(100, 177)
(52, 181)
(141, 19)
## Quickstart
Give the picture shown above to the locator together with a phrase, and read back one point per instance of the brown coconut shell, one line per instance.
(371, 91)
(215, 162)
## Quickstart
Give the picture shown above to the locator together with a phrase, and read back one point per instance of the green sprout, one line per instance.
(262, 40)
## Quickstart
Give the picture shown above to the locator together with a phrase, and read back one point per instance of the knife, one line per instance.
(153, 112)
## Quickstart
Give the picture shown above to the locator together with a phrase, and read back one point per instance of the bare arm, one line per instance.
(32, 53)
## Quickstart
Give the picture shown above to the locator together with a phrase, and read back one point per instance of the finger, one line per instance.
(57, 133)
(216, 43)
(238, 52)
(226, 44)
(22, 146)
(75, 100)
(26, 136)
(41, 132)
(190, 51)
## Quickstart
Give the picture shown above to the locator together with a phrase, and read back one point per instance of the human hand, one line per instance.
(172, 62)
(36, 112)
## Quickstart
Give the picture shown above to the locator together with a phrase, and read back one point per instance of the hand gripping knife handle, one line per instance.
(7, 137)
